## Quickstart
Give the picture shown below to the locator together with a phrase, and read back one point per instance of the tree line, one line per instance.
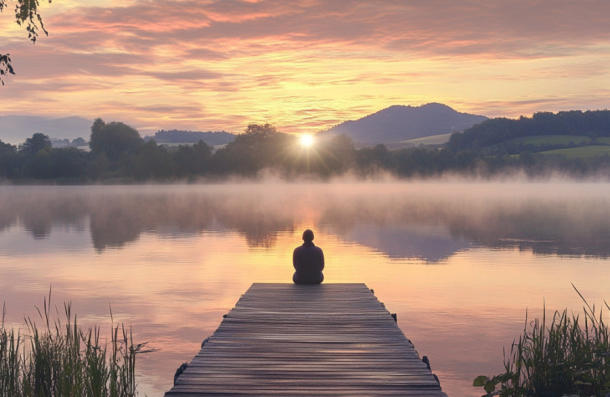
(119, 154)
(494, 135)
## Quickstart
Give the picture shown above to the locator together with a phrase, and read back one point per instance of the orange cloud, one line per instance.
(306, 65)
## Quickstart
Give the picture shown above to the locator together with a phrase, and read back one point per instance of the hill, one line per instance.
(399, 123)
(540, 133)
(16, 129)
(213, 138)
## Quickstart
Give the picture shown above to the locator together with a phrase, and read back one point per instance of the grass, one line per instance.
(428, 140)
(605, 140)
(544, 140)
(583, 152)
(566, 357)
(59, 358)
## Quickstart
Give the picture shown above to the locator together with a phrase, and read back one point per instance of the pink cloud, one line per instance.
(257, 57)
(434, 26)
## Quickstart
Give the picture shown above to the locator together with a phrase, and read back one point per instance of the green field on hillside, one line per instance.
(604, 140)
(544, 140)
(428, 140)
(581, 152)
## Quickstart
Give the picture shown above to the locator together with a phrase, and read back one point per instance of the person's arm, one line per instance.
(294, 258)
(321, 259)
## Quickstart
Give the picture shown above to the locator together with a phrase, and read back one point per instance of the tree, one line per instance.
(64, 163)
(261, 146)
(336, 155)
(6, 148)
(78, 142)
(496, 136)
(114, 139)
(26, 12)
(35, 144)
(373, 159)
(264, 130)
(151, 162)
(192, 160)
(8, 160)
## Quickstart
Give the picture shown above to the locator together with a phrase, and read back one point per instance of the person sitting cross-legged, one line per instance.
(308, 261)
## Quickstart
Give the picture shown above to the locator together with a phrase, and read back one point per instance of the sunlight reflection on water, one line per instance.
(459, 263)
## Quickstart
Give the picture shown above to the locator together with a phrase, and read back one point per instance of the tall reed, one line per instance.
(58, 358)
(569, 356)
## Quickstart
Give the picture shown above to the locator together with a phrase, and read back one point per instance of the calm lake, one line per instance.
(458, 261)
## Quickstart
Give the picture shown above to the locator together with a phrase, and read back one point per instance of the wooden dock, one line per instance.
(320, 340)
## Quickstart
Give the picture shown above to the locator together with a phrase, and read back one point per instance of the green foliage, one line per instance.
(36, 159)
(337, 155)
(118, 154)
(370, 160)
(192, 160)
(569, 356)
(8, 160)
(35, 144)
(59, 358)
(6, 67)
(26, 13)
(151, 161)
(260, 146)
(6, 148)
(497, 131)
(114, 139)
(64, 163)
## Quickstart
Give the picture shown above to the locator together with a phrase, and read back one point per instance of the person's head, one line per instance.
(308, 236)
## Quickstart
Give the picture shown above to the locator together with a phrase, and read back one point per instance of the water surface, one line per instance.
(459, 262)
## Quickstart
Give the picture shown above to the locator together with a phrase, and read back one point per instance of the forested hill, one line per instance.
(570, 127)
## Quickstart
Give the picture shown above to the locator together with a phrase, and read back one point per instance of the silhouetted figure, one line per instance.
(308, 261)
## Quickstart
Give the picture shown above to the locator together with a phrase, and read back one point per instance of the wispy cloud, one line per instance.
(160, 63)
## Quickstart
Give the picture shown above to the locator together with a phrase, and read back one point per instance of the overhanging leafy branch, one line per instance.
(26, 14)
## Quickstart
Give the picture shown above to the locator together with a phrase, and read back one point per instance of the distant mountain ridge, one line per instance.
(179, 136)
(16, 129)
(399, 123)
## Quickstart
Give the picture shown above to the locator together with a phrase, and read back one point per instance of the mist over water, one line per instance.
(402, 220)
(458, 260)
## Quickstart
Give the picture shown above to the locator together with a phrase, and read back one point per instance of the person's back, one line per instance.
(308, 261)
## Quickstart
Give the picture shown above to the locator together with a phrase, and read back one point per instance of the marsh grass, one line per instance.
(56, 357)
(568, 355)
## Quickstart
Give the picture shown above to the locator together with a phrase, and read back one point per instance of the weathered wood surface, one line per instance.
(323, 340)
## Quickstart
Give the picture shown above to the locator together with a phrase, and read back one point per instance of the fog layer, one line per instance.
(430, 220)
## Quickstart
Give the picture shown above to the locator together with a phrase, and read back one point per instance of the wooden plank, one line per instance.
(292, 340)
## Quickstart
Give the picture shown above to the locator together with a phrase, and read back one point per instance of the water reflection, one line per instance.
(172, 259)
(431, 221)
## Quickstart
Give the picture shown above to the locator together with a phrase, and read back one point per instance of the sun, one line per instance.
(306, 140)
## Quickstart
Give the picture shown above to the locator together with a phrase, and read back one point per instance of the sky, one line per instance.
(307, 65)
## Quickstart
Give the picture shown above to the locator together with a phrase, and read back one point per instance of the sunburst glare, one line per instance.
(306, 140)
